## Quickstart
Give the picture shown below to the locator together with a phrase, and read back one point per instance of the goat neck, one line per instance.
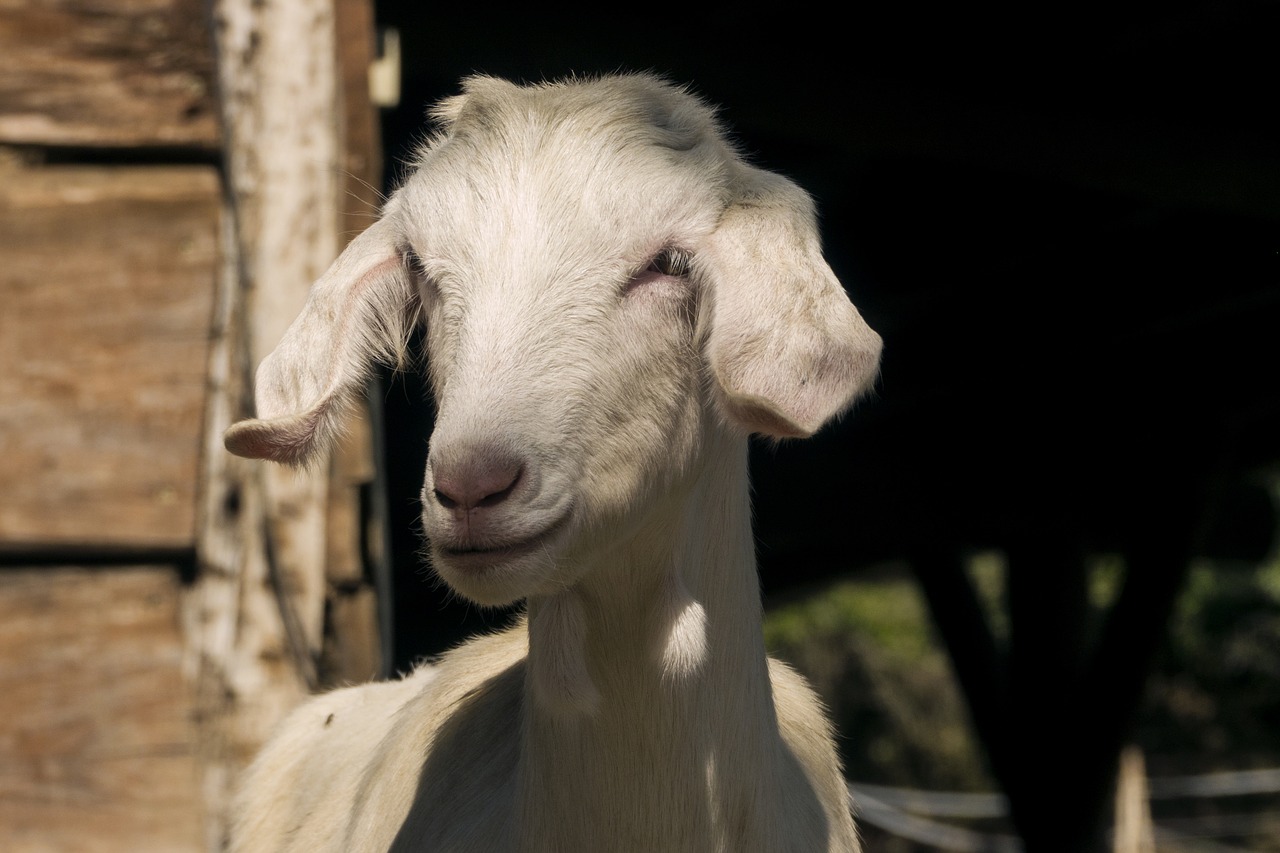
(669, 626)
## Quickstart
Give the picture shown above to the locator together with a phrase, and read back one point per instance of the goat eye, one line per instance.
(672, 262)
(414, 262)
(423, 283)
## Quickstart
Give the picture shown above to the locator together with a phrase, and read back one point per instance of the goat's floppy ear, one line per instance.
(787, 349)
(356, 313)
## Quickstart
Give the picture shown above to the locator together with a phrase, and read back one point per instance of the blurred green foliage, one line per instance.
(1212, 702)
(867, 647)
(1214, 699)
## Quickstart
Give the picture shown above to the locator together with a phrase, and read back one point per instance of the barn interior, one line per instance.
(1063, 223)
(1062, 220)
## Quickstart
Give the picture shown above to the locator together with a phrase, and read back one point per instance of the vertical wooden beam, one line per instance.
(352, 650)
(353, 644)
(255, 613)
(277, 65)
(234, 634)
(361, 134)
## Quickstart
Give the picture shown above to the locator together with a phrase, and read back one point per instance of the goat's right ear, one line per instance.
(358, 312)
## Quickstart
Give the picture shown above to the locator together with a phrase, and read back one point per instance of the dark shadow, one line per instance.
(471, 769)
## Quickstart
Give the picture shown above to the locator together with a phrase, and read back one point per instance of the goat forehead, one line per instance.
(558, 192)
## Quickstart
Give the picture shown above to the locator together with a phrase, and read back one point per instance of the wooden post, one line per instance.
(355, 630)
(1135, 830)
(277, 64)
(114, 451)
(255, 613)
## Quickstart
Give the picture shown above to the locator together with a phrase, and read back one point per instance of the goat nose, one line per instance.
(476, 482)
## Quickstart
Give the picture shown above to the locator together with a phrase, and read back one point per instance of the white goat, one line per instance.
(613, 301)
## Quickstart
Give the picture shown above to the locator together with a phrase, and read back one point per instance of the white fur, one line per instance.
(590, 458)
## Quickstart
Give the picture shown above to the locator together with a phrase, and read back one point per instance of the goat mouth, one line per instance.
(507, 550)
(478, 556)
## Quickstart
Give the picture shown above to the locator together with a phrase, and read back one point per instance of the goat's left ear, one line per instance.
(787, 349)
(358, 312)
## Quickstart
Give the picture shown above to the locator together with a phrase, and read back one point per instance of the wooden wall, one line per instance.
(96, 727)
(107, 73)
(110, 207)
(148, 642)
(107, 283)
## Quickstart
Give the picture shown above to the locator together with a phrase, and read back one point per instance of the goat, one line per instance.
(613, 301)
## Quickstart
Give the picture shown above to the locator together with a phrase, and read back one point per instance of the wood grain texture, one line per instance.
(256, 625)
(106, 278)
(351, 652)
(96, 744)
(361, 132)
(107, 73)
(237, 648)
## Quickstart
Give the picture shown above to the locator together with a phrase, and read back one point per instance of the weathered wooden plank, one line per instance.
(361, 134)
(351, 652)
(351, 470)
(106, 281)
(119, 73)
(237, 645)
(96, 742)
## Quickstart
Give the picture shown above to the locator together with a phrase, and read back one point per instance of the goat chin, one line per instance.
(613, 300)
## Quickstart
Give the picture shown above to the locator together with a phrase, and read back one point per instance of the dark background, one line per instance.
(1063, 222)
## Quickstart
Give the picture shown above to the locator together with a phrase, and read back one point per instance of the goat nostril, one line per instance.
(494, 498)
(482, 486)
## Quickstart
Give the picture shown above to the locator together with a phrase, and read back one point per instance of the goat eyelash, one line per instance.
(670, 261)
(414, 262)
